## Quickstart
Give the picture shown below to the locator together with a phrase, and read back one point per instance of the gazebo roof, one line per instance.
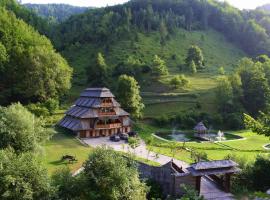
(200, 127)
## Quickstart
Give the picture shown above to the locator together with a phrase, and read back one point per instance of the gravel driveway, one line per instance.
(140, 151)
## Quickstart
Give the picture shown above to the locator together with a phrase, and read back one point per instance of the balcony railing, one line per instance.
(106, 113)
(109, 126)
(106, 105)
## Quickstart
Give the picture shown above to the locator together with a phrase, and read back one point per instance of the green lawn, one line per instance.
(64, 144)
(249, 147)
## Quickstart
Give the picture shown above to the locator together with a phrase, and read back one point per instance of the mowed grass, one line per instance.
(249, 147)
(64, 144)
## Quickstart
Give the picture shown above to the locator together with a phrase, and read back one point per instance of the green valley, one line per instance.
(124, 102)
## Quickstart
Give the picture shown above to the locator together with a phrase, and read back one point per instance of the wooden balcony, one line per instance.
(107, 105)
(109, 126)
(106, 113)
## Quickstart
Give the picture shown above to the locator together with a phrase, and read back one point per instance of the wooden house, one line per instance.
(96, 113)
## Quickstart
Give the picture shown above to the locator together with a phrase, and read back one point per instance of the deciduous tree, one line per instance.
(195, 54)
(98, 73)
(111, 176)
(23, 177)
(129, 95)
(20, 129)
(159, 67)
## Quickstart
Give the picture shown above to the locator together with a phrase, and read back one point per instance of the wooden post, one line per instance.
(227, 182)
(198, 184)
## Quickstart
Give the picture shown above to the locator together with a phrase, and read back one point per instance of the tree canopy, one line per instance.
(98, 73)
(31, 70)
(128, 93)
(179, 81)
(195, 55)
(111, 177)
(20, 129)
(159, 67)
(23, 177)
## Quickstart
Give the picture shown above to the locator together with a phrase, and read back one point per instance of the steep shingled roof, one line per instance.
(87, 107)
(200, 127)
(97, 92)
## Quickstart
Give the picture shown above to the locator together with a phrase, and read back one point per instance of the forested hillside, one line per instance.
(55, 12)
(30, 69)
(245, 29)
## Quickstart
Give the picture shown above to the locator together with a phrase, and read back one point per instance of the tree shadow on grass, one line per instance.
(60, 162)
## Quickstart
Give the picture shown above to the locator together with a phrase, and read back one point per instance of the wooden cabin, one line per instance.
(96, 113)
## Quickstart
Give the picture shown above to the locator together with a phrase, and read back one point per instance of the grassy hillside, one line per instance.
(158, 95)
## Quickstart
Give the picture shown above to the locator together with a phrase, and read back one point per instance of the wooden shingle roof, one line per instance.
(213, 167)
(214, 164)
(200, 127)
(97, 92)
(87, 106)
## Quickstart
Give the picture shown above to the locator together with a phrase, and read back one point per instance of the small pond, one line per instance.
(186, 136)
(267, 146)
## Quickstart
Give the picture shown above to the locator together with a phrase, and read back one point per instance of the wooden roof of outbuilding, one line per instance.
(200, 127)
(214, 164)
(213, 167)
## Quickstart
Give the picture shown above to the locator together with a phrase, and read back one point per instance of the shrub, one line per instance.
(133, 142)
(155, 190)
(52, 105)
(197, 156)
(234, 121)
(38, 110)
(163, 120)
(190, 193)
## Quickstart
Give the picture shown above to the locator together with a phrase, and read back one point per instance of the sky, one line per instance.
(241, 4)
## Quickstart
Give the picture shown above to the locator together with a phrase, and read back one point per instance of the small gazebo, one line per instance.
(200, 128)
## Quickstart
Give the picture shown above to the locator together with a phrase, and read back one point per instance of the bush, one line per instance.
(163, 120)
(197, 156)
(253, 177)
(133, 142)
(44, 109)
(38, 110)
(234, 121)
(190, 193)
(155, 190)
(52, 105)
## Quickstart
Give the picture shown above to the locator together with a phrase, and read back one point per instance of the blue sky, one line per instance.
(247, 4)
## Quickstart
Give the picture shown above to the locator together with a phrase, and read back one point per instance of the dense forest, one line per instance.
(248, 29)
(170, 63)
(55, 12)
(31, 70)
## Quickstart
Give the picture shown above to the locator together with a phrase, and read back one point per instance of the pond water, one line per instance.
(187, 136)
